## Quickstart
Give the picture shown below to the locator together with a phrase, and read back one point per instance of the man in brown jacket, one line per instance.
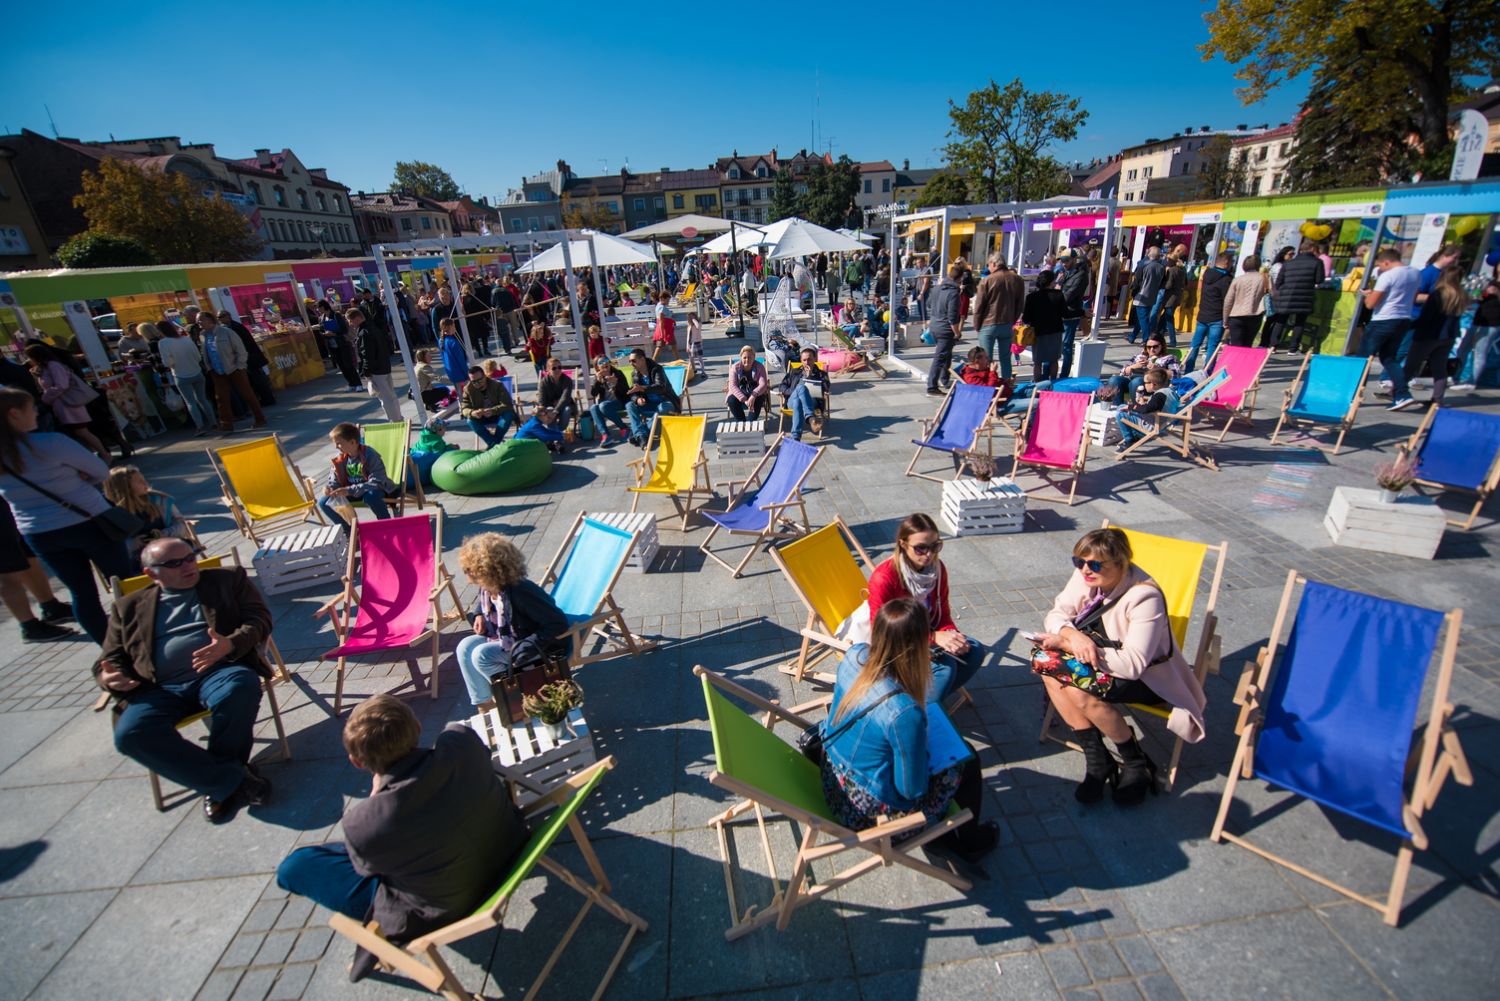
(996, 308)
(190, 644)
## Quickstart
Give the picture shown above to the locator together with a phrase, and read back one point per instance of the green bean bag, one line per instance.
(510, 465)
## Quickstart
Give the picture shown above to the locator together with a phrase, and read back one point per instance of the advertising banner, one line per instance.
(266, 308)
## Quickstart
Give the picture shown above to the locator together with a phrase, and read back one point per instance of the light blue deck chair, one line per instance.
(581, 579)
(1326, 393)
(760, 505)
(966, 414)
(1458, 450)
(1332, 721)
(1162, 427)
(677, 378)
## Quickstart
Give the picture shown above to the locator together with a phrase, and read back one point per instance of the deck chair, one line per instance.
(721, 307)
(581, 580)
(822, 409)
(399, 601)
(1458, 450)
(867, 361)
(1163, 429)
(1177, 567)
(1332, 721)
(677, 378)
(1054, 435)
(419, 959)
(393, 443)
(760, 505)
(1235, 398)
(1326, 393)
(966, 414)
(772, 776)
(824, 575)
(680, 469)
(263, 487)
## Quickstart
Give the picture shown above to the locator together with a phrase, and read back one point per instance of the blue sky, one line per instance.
(490, 94)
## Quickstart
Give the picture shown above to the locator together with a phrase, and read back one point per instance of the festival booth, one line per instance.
(265, 297)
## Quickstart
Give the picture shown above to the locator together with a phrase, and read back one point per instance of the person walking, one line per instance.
(256, 362)
(943, 310)
(996, 308)
(1483, 330)
(1074, 286)
(1146, 295)
(1391, 300)
(336, 340)
(186, 365)
(65, 392)
(224, 357)
(1293, 295)
(1044, 312)
(1213, 287)
(1434, 331)
(373, 351)
(1245, 302)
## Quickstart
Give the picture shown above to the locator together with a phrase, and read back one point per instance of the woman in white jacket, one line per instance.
(179, 354)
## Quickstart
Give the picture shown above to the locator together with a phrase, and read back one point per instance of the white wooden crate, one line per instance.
(974, 508)
(1102, 427)
(647, 542)
(312, 558)
(740, 438)
(529, 757)
(1411, 526)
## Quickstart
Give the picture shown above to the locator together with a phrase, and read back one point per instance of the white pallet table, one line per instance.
(647, 542)
(971, 507)
(1102, 427)
(1410, 526)
(312, 558)
(529, 757)
(740, 438)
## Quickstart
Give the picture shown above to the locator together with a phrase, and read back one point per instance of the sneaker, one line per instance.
(37, 631)
(1404, 403)
(1386, 384)
(1462, 387)
(1383, 392)
(57, 612)
(931, 391)
(355, 389)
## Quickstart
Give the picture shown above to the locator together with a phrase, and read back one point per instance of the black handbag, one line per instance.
(810, 741)
(531, 667)
(116, 523)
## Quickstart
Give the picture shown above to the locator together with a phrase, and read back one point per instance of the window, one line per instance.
(1186, 167)
(301, 198)
(405, 223)
(1146, 171)
(614, 207)
(1261, 152)
(868, 187)
(1130, 195)
(253, 190)
(640, 204)
(1131, 176)
(280, 193)
(534, 223)
(677, 201)
(660, 202)
(301, 233)
(707, 202)
(1203, 167)
(551, 221)
(1255, 185)
(338, 203)
(516, 225)
(1286, 150)
(762, 170)
(885, 184)
(734, 172)
(322, 203)
(427, 222)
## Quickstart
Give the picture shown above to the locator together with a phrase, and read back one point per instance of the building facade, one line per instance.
(1178, 159)
(468, 217)
(537, 204)
(399, 217)
(909, 184)
(1263, 158)
(690, 192)
(877, 186)
(23, 246)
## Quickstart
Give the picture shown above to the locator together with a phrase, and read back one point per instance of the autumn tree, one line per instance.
(589, 215)
(1223, 173)
(166, 213)
(103, 250)
(425, 179)
(944, 188)
(1000, 137)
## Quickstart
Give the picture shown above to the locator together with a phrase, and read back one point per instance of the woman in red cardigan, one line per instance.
(916, 572)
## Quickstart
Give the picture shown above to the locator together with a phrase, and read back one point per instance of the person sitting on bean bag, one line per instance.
(485, 403)
(545, 427)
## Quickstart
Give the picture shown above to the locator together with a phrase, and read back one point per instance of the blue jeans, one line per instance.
(325, 875)
(1128, 434)
(996, 341)
(490, 438)
(1478, 340)
(147, 730)
(1145, 318)
(1206, 336)
(950, 673)
(640, 427)
(802, 406)
(480, 659)
(1165, 322)
(372, 495)
(67, 553)
(1125, 386)
(1383, 340)
(1070, 329)
(195, 397)
(608, 410)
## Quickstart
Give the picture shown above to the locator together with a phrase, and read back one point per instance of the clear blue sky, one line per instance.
(491, 92)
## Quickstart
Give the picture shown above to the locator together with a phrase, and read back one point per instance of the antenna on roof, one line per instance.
(50, 121)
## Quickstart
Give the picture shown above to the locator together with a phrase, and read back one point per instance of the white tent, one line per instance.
(673, 227)
(608, 250)
(800, 238)
(744, 237)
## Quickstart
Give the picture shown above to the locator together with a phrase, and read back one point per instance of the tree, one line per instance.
(829, 199)
(1223, 172)
(589, 215)
(166, 213)
(426, 179)
(783, 195)
(103, 250)
(1337, 147)
(945, 188)
(1000, 136)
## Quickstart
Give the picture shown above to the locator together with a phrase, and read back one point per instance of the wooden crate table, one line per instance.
(1102, 427)
(316, 557)
(647, 543)
(532, 761)
(971, 507)
(740, 438)
(1411, 526)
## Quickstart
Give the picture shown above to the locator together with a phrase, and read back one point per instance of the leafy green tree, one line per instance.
(946, 188)
(166, 213)
(829, 199)
(426, 179)
(1223, 172)
(103, 250)
(1000, 137)
(783, 195)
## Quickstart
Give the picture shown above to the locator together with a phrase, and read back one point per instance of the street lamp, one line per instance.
(318, 229)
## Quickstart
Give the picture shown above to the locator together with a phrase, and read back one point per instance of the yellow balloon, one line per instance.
(1466, 224)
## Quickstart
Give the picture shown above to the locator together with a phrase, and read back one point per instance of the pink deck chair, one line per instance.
(1236, 397)
(399, 602)
(1054, 435)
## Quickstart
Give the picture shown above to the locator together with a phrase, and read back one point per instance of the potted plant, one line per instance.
(981, 465)
(552, 703)
(1395, 476)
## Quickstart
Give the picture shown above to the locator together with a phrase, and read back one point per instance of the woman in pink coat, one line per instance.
(1111, 620)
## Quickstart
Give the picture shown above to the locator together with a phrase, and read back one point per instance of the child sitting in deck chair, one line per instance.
(1156, 396)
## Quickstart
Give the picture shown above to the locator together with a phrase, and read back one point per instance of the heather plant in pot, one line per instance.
(1395, 476)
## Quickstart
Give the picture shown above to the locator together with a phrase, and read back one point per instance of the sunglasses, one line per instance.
(1154, 347)
(927, 548)
(174, 564)
(1095, 566)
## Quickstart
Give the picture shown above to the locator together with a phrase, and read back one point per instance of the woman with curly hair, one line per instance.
(510, 610)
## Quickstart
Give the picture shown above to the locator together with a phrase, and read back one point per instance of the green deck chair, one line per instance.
(393, 442)
(419, 958)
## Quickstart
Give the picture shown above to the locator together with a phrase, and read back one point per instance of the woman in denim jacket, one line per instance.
(878, 764)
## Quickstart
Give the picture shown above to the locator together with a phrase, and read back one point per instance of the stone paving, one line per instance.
(101, 896)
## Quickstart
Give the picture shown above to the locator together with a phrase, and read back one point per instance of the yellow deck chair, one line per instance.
(680, 470)
(263, 487)
(1177, 567)
(825, 576)
(393, 443)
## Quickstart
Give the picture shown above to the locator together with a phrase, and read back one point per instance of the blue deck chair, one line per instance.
(965, 414)
(1458, 450)
(720, 306)
(581, 579)
(677, 378)
(1333, 720)
(1326, 393)
(760, 506)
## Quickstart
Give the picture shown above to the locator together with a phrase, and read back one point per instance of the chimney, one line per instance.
(624, 171)
(1242, 127)
(734, 153)
(1263, 126)
(773, 154)
(1204, 128)
(906, 164)
(666, 170)
(263, 157)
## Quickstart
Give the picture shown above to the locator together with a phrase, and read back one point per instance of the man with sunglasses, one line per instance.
(189, 644)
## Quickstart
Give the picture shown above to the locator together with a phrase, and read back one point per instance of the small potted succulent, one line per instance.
(981, 465)
(1395, 476)
(552, 703)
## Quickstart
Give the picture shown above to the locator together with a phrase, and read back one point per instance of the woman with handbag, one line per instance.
(68, 396)
(1043, 313)
(1109, 641)
(512, 614)
(875, 740)
(52, 485)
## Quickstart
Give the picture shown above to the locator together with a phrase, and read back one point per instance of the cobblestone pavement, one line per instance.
(102, 896)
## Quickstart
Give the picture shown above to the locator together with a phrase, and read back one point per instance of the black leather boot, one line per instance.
(1100, 770)
(1137, 774)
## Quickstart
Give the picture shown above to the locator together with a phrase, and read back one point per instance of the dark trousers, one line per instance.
(1298, 323)
(343, 356)
(260, 382)
(744, 413)
(67, 553)
(942, 360)
(1242, 330)
(147, 730)
(502, 331)
(239, 381)
(325, 875)
(1383, 340)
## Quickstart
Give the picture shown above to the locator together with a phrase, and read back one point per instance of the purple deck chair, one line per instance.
(964, 415)
(759, 506)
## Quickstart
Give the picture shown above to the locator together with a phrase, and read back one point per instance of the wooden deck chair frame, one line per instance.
(1246, 409)
(407, 470)
(1205, 661)
(608, 620)
(258, 532)
(822, 838)
(1077, 469)
(817, 633)
(686, 396)
(1486, 488)
(818, 423)
(1289, 395)
(643, 466)
(268, 686)
(1438, 756)
(779, 512)
(1164, 428)
(986, 428)
(420, 960)
(340, 610)
(868, 361)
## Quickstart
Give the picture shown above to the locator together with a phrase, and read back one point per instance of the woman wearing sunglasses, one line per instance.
(1108, 641)
(1133, 375)
(916, 572)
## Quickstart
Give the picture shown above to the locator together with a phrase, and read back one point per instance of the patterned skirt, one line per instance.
(856, 808)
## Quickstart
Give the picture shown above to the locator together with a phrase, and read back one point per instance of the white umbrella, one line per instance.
(608, 250)
(744, 237)
(800, 238)
(675, 226)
